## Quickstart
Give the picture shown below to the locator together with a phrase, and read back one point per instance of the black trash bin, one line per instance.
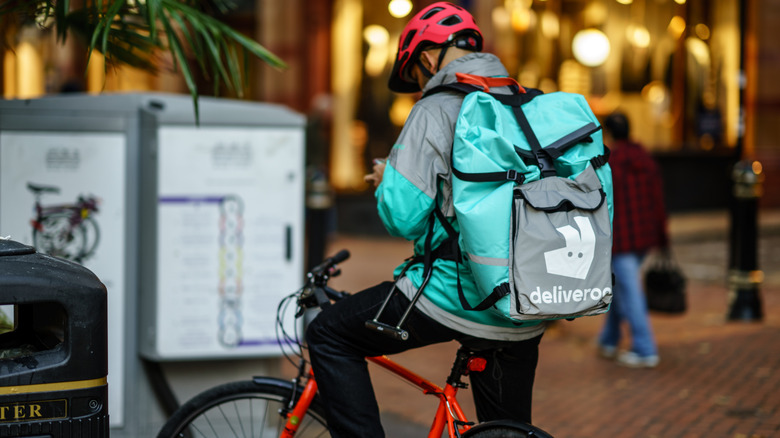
(53, 354)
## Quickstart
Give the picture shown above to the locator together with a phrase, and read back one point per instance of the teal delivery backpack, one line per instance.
(532, 193)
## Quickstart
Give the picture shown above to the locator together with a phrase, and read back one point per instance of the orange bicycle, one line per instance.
(273, 407)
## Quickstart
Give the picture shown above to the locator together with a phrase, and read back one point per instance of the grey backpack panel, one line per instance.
(566, 221)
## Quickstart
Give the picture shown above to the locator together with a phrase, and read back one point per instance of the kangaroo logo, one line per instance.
(574, 259)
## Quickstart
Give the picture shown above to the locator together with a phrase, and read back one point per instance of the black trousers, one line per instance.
(339, 342)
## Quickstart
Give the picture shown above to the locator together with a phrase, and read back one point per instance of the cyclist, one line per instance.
(438, 42)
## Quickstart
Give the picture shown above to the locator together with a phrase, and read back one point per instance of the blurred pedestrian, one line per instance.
(639, 226)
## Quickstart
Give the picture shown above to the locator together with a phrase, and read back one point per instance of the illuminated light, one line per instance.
(346, 169)
(757, 167)
(399, 8)
(518, 4)
(29, 66)
(595, 14)
(96, 72)
(699, 50)
(680, 2)
(574, 77)
(400, 109)
(377, 38)
(523, 19)
(376, 35)
(655, 92)
(676, 26)
(702, 31)
(501, 18)
(625, 2)
(550, 25)
(9, 74)
(591, 47)
(639, 36)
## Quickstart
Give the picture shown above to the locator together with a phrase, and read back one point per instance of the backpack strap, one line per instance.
(543, 156)
(450, 248)
(600, 160)
(499, 292)
(509, 175)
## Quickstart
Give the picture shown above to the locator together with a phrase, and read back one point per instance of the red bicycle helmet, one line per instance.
(441, 24)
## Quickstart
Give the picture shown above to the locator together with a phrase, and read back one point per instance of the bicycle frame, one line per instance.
(449, 412)
(226, 407)
(80, 210)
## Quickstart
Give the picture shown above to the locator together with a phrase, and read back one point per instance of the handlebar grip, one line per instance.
(388, 330)
(340, 256)
(330, 261)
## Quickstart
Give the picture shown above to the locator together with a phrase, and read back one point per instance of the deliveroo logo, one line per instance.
(574, 259)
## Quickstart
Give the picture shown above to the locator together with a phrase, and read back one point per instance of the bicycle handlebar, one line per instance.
(316, 292)
(330, 262)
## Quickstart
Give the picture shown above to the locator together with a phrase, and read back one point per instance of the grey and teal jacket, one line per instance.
(416, 180)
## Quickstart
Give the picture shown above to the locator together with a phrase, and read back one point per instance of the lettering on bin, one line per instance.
(33, 411)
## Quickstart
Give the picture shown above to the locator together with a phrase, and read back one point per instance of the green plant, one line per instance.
(137, 32)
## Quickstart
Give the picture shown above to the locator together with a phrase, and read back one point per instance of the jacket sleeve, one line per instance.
(420, 156)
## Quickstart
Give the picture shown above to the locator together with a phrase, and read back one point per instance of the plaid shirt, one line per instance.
(640, 215)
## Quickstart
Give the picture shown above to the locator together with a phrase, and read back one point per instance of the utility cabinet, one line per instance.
(195, 228)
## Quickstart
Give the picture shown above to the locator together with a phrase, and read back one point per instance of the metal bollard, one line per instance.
(744, 276)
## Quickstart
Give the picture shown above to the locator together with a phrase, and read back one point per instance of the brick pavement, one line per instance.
(716, 378)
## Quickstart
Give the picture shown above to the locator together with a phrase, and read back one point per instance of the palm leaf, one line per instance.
(136, 33)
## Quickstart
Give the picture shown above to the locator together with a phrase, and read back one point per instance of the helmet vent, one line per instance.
(408, 39)
(452, 20)
(431, 13)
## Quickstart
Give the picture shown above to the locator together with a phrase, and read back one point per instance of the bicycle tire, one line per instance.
(243, 409)
(90, 244)
(505, 429)
(58, 238)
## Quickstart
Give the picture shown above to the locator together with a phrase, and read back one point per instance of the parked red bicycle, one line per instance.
(65, 230)
(273, 407)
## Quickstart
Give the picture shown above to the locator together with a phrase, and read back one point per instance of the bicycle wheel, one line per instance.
(243, 409)
(505, 429)
(91, 237)
(59, 238)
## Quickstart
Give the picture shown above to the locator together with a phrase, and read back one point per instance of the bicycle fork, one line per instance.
(299, 407)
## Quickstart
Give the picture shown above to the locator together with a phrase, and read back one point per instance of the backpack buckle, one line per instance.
(545, 162)
(513, 175)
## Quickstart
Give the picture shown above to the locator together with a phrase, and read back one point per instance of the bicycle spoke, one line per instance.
(197, 430)
(239, 417)
(251, 418)
(211, 425)
(264, 421)
(228, 422)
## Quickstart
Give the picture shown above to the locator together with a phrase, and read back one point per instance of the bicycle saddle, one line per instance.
(42, 189)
